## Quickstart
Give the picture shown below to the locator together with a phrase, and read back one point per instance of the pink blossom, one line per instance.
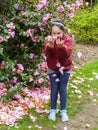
(1, 39)
(90, 93)
(12, 34)
(49, 38)
(20, 68)
(41, 4)
(42, 66)
(72, 7)
(2, 89)
(14, 80)
(70, 15)
(60, 8)
(65, 3)
(30, 80)
(36, 39)
(17, 96)
(10, 26)
(41, 29)
(31, 55)
(44, 57)
(36, 73)
(78, 3)
(87, 4)
(7, 37)
(30, 32)
(40, 80)
(1, 84)
(47, 16)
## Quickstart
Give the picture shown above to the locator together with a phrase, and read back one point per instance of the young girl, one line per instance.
(58, 49)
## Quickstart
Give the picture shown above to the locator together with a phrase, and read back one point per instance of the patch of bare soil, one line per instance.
(89, 53)
(88, 118)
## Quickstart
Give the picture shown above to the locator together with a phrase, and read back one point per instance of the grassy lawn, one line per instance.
(82, 86)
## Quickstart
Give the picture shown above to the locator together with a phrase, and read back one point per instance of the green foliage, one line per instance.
(85, 25)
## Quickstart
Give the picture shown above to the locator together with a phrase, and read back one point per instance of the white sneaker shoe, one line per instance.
(52, 115)
(64, 115)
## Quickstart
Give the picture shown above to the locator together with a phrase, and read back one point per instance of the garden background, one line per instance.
(24, 85)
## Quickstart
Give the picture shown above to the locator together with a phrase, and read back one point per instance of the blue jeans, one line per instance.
(58, 87)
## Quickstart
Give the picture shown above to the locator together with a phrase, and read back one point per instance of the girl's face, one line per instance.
(57, 32)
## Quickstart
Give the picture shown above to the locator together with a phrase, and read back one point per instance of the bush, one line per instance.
(85, 25)
(23, 28)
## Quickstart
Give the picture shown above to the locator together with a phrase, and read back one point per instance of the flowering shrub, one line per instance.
(22, 33)
(85, 26)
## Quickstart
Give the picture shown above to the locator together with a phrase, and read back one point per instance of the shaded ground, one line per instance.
(88, 118)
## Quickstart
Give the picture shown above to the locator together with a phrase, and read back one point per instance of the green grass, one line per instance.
(75, 103)
(96, 128)
(86, 73)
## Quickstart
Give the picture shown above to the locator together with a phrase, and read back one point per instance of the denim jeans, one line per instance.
(58, 83)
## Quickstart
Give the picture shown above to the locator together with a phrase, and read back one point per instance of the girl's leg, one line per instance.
(63, 89)
(63, 94)
(54, 90)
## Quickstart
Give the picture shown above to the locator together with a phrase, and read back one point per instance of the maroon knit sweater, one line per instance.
(60, 55)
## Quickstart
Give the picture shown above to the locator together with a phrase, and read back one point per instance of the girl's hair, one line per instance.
(59, 24)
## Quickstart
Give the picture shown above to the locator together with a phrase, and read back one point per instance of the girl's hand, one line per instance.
(50, 40)
(59, 42)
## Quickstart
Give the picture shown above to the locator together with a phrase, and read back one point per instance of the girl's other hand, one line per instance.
(59, 42)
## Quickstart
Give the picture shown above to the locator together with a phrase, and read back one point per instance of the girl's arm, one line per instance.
(49, 49)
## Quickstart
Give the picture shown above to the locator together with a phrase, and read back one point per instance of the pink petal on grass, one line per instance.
(97, 77)
(90, 93)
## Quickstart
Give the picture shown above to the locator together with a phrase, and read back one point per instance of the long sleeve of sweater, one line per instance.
(66, 49)
(49, 50)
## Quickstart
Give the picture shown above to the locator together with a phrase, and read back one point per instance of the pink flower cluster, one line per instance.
(30, 32)
(3, 90)
(31, 55)
(61, 9)
(37, 98)
(20, 68)
(36, 39)
(42, 66)
(14, 110)
(14, 80)
(42, 4)
(11, 27)
(44, 22)
(10, 112)
(1, 39)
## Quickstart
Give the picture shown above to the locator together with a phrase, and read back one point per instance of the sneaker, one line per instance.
(64, 115)
(52, 115)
